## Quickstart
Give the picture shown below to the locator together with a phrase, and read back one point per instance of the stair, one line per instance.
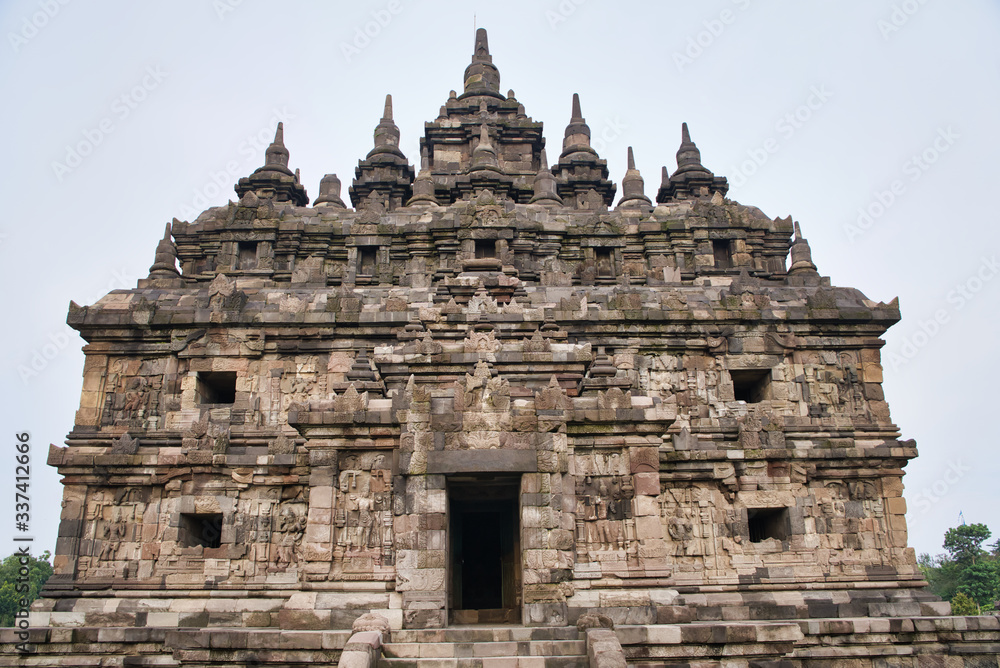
(486, 647)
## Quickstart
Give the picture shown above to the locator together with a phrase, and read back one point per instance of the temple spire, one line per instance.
(423, 185)
(387, 112)
(580, 169)
(276, 154)
(386, 133)
(481, 76)
(688, 155)
(484, 156)
(802, 263)
(545, 185)
(329, 192)
(275, 180)
(165, 260)
(692, 179)
(633, 186)
(577, 137)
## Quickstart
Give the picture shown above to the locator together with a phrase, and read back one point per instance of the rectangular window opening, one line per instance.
(604, 259)
(216, 387)
(485, 248)
(765, 523)
(200, 529)
(367, 260)
(247, 251)
(721, 249)
(751, 385)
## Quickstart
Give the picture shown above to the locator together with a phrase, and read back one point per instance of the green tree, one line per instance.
(941, 574)
(981, 583)
(964, 543)
(39, 570)
(963, 605)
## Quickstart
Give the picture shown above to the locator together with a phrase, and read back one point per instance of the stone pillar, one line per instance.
(421, 540)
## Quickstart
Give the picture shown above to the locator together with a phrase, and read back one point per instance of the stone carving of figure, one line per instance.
(680, 528)
(291, 525)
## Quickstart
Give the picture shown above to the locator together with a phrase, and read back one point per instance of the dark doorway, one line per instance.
(485, 550)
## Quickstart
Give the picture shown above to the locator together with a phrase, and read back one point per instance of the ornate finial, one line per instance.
(385, 169)
(688, 155)
(577, 137)
(633, 186)
(276, 154)
(545, 184)
(484, 156)
(423, 185)
(386, 132)
(481, 52)
(329, 192)
(692, 179)
(481, 76)
(165, 260)
(274, 180)
(387, 113)
(801, 256)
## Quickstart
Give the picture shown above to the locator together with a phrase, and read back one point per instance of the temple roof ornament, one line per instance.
(691, 179)
(275, 180)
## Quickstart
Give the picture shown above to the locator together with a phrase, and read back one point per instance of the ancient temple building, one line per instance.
(489, 389)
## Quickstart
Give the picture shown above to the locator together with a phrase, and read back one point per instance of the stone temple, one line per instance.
(493, 408)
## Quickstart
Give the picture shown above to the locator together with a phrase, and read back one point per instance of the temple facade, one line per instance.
(490, 390)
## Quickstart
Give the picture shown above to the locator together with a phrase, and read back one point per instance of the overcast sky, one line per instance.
(872, 123)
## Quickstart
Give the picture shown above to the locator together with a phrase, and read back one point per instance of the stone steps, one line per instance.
(477, 647)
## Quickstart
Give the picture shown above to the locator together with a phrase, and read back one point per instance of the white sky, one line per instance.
(889, 92)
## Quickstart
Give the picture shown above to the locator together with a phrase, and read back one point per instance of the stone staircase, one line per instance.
(486, 647)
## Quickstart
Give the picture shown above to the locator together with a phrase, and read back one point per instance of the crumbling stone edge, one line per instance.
(364, 647)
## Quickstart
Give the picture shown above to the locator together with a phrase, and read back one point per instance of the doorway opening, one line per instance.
(485, 550)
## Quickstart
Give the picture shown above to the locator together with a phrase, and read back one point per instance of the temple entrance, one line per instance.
(485, 550)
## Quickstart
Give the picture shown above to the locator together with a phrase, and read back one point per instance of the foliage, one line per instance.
(963, 605)
(964, 543)
(39, 570)
(981, 583)
(941, 574)
(968, 576)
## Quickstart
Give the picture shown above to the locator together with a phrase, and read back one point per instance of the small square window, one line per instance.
(765, 523)
(722, 251)
(200, 529)
(751, 385)
(367, 260)
(216, 387)
(247, 251)
(485, 248)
